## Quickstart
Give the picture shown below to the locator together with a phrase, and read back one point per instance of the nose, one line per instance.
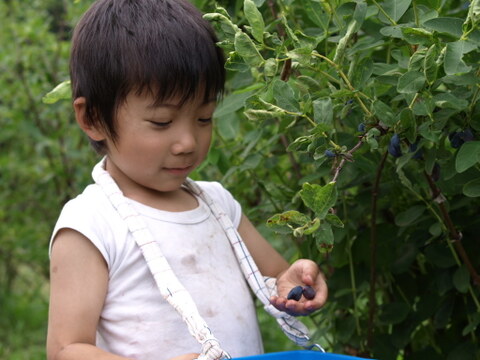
(185, 142)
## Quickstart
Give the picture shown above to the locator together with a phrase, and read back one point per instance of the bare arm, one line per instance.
(78, 286)
(268, 260)
(303, 272)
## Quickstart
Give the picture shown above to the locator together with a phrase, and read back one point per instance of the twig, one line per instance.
(373, 253)
(346, 156)
(455, 235)
(285, 75)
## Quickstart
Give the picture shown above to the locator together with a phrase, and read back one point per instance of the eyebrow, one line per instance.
(176, 106)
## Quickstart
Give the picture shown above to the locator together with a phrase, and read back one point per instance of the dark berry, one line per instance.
(295, 293)
(361, 127)
(309, 292)
(455, 139)
(394, 146)
(329, 153)
(417, 153)
(466, 135)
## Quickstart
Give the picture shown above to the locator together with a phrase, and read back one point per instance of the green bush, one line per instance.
(353, 128)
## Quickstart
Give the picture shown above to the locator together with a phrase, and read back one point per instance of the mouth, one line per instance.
(179, 170)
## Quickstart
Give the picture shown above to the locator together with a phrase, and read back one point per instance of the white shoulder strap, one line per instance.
(262, 287)
(171, 288)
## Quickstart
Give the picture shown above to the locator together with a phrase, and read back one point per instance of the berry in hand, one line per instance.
(295, 293)
(309, 292)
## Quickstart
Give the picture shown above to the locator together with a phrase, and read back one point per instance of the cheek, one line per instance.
(207, 141)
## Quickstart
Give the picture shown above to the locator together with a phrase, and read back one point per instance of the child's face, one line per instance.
(158, 146)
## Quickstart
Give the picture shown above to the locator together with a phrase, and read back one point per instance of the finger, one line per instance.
(310, 271)
(297, 308)
(278, 302)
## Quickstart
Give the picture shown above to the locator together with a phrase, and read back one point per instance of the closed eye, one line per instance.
(205, 121)
(160, 124)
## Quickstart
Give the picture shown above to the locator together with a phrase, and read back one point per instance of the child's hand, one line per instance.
(301, 273)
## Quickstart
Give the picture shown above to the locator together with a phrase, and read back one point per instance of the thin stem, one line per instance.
(455, 235)
(285, 75)
(412, 103)
(373, 252)
(346, 156)
(415, 12)
(350, 87)
(393, 22)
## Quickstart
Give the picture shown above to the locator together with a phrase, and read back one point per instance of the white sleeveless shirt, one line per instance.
(136, 321)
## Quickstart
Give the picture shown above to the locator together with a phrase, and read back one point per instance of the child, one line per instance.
(145, 77)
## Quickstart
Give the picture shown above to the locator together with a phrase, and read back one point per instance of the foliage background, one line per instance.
(316, 91)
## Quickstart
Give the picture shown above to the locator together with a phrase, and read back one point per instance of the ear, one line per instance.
(92, 131)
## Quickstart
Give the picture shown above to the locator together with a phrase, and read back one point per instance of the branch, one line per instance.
(346, 156)
(455, 235)
(285, 75)
(373, 252)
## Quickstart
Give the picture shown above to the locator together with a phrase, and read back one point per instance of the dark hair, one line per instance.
(160, 47)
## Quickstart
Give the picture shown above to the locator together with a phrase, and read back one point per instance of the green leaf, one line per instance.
(247, 50)
(319, 198)
(407, 124)
(302, 55)
(316, 13)
(395, 9)
(359, 14)
(223, 25)
(472, 188)
(323, 111)
(271, 67)
(394, 31)
(393, 313)
(371, 138)
(450, 101)
(411, 82)
(384, 113)
(461, 279)
(284, 95)
(324, 238)
(255, 19)
(474, 321)
(439, 255)
(467, 156)
(416, 60)
(334, 220)
(409, 216)
(453, 62)
(236, 63)
(62, 91)
(231, 103)
(261, 114)
(446, 25)
(301, 143)
(430, 67)
(473, 16)
(309, 228)
(417, 36)
(288, 217)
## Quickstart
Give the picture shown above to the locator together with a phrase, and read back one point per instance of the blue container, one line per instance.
(298, 355)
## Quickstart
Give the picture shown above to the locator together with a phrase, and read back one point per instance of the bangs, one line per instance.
(174, 56)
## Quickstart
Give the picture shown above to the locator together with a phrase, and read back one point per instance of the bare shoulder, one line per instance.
(78, 286)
